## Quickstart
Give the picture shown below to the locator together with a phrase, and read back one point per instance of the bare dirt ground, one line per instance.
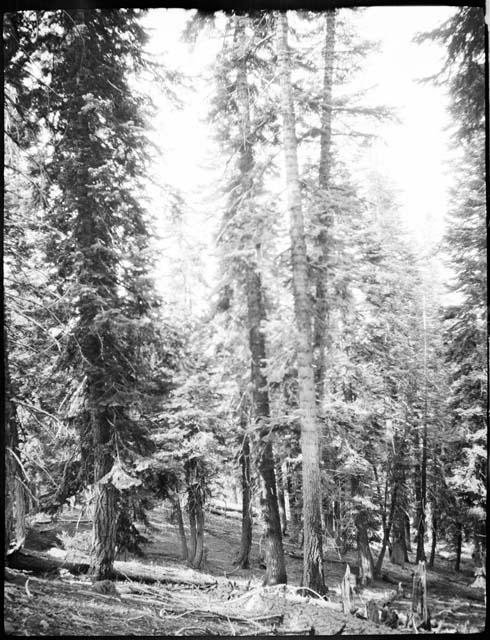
(221, 600)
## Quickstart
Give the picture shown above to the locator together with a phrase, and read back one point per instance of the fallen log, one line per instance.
(37, 562)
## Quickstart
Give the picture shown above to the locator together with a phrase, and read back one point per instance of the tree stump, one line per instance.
(419, 596)
(480, 580)
(346, 590)
(372, 611)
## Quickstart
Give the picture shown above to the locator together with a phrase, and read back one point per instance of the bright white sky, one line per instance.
(413, 153)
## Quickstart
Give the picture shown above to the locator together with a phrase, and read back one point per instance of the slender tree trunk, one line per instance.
(313, 576)
(293, 485)
(408, 540)
(199, 515)
(324, 219)
(386, 533)
(459, 543)
(365, 558)
(184, 553)
(421, 524)
(192, 533)
(434, 537)
(105, 516)
(280, 498)
(11, 448)
(246, 539)
(274, 553)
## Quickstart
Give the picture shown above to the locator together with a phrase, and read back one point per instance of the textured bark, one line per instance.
(105, 516)
(310, 432)
(246, 537)
(274, 553)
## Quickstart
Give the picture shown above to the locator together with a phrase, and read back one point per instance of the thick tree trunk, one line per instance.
(246, 539)
(313, 577)
(274, 553)
(105, 516)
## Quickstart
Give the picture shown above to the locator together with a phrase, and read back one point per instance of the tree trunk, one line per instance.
(198, 555)
(20, 510)
(192, 532)
(246, 539)
(324, 219)
(293, 485)
(313, 577)
(105, 517)
(274, 553)
(280, 498)
(177, 510)
(11, 450)
(434, 537)
(386, 533)
(459, 543)
(408, 541)
(365, 558)
(421, 523)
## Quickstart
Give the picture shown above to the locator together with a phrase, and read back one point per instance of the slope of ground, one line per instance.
(219, 600)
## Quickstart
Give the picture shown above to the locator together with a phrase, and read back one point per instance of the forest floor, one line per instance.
(217, 600)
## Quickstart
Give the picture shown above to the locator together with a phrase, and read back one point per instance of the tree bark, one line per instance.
(105, 516)
(246, 538)
(274, 553)
(313, 576)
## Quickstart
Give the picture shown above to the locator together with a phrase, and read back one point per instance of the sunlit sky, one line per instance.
(413, 153)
